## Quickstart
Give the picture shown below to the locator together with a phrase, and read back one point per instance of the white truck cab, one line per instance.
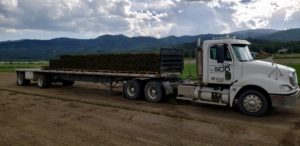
(228, 75)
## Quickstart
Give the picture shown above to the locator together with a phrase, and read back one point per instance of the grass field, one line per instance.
(11, 66)
(297, 67)
(286, 56)
(189, 71)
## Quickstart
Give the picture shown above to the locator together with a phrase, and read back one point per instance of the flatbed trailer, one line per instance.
(110, 78)
(227, 75)
(134, 83)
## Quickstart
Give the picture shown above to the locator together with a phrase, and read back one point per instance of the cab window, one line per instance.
(213, 53)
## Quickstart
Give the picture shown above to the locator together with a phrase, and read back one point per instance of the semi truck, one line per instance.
(227, 75)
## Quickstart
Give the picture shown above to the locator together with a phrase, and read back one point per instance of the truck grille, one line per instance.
(293, 79)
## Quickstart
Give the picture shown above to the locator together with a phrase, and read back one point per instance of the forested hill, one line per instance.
(262, 39)
(283, 36)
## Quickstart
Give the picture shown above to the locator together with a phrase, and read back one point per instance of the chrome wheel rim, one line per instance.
(40, 82)
(131, 90)
(152, 92)
(252, 103)
(20, 79)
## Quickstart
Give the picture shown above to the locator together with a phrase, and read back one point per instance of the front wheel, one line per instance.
(154, 91)
(253, 103)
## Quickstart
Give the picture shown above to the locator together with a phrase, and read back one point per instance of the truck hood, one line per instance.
(268, 70)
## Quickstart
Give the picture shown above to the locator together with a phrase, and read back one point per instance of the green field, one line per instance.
(297, 67)
(11, 66)
(189, 71)
(286, 56)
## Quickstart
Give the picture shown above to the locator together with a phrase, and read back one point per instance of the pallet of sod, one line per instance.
(108, 62)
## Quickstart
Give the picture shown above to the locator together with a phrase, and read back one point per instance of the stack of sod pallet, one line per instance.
(108, 62)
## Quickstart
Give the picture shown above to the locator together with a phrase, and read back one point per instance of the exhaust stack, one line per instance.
(199, 60)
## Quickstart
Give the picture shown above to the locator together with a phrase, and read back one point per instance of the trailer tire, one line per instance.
(67, 83)
(21, 81)
(253, 103)
(43, 81)
(154, 91)
(133, 89)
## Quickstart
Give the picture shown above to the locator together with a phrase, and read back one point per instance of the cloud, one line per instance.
(195, 18)
(82, 16)
(258, 13)
(158, 18)
(280, 21)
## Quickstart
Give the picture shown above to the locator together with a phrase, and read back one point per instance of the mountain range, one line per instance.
(47, 49)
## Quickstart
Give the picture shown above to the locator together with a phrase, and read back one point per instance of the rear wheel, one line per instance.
(154, 91)
(21, 81)
(43, 81)
(133, 89)
(67, 83)
(253, 103)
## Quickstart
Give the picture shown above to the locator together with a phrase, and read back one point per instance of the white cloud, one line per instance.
(159, 18)
(11, 30)
(9, 4)
(257, 14)
(81, 16)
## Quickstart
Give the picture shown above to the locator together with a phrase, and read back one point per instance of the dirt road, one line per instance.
(86, 115)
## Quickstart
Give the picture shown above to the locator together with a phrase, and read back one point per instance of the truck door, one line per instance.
(220, 73)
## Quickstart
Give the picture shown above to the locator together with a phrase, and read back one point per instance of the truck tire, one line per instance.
(133, 89)
(43, 81)
(67, 83)
(253, 103)
(21, 81)
(154, 91)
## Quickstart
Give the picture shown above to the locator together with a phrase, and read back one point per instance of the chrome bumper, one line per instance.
(285, 100)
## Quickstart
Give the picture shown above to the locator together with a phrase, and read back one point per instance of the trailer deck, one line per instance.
(108, 79)
(103, 73)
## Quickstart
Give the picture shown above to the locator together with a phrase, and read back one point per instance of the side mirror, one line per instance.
(220, 53)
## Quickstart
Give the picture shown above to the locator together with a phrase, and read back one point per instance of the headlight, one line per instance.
(285, 88)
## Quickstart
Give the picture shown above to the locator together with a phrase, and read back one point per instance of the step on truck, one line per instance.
(227, 75)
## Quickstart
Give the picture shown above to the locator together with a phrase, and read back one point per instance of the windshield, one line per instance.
(242, 52)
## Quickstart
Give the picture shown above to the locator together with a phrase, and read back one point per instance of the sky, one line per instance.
(47, 19)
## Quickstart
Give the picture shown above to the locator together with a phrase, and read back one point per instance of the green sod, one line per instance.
(109, 62)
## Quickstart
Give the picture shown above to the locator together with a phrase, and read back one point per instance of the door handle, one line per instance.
(226, 64)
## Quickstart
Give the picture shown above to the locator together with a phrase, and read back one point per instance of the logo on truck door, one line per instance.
(222, 69)
(218, 71)
(225, 69)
